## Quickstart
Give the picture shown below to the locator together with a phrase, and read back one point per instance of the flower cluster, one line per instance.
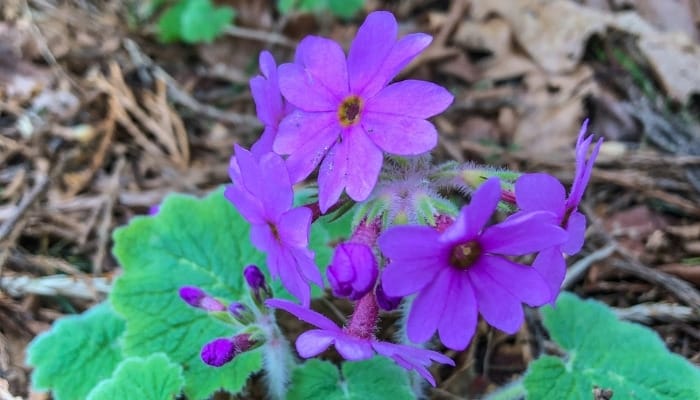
(368, 140)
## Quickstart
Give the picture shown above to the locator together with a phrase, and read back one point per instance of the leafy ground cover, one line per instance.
(100, 120)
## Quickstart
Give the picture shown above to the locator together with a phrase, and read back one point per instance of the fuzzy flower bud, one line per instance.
(256, 281)
(197, 298)
(353, 270)
(241, 313)
(218, 352)
(221, 351)
(386, 303)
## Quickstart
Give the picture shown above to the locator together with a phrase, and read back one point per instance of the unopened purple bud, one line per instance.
(256, 281)
(254, 277)
(241, 313)
(245, 342)
(353, 270)
(387, 303)
(196, 297)
(153, 210)
(192, 295)
(218, 352)
(211, 304)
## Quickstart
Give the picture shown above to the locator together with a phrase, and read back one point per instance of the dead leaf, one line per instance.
(566, 25)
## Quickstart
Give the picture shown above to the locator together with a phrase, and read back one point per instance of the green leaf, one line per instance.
(627, 358)
(202, 22)
(169, 29)
(201, 242)
(77, 353)
(194, 21)
(377, 378)
(345, 8)
(152, 378)
(285, 6)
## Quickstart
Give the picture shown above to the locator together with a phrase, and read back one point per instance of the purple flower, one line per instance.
(315, 341)
(197, 298)
(543, 192)
(465, 269)
(353, 270)
(347, 115)
(269, 105)
(263, 194)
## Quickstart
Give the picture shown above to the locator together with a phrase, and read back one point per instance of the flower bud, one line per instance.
(221, 351)
(386, 303)
(197, 298)
(241, 313)
(353, 270)
(256, 281)
(218, 352)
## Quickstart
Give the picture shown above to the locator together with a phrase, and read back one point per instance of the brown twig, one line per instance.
(181, 97)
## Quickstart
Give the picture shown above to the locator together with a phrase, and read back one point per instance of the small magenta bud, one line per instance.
(254, 277)
(241, 313)
(353, 270)
(256, 281)
(442, 222)
(245, 342)
(386, 303)
(153, 210)
(218, 352)
(192, 295)
(196, 297)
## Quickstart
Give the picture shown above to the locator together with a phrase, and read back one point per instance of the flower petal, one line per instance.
(332, 175)
(276, 192)
(303, 91)
(551, 266)
(523, 233)
(427, 99)
(299, 128)
(304, 314)
(476, 214)
(353, 349)
(293, 227)
(324, 60)
(409, 242)
(397, 134)
(290, 268)
(248, 206)
(261, 237)
(523, 282)
(576, 228)
(264, 143)
(540, 192)
(307, 266)
(364, 160)
(374, 40)
(498, 307)
(313, 147)
(458, 322)
(428, 308)
(314, 342)
(405, 50)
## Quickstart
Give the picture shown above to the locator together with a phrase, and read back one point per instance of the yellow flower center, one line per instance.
(349, 111)
(463, 255)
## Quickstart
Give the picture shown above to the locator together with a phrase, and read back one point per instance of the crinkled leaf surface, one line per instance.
(151, 378)
(377, 378)
(627, 358)
(203, 22)
(201, 242)
(194, 21)
(77, 353)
